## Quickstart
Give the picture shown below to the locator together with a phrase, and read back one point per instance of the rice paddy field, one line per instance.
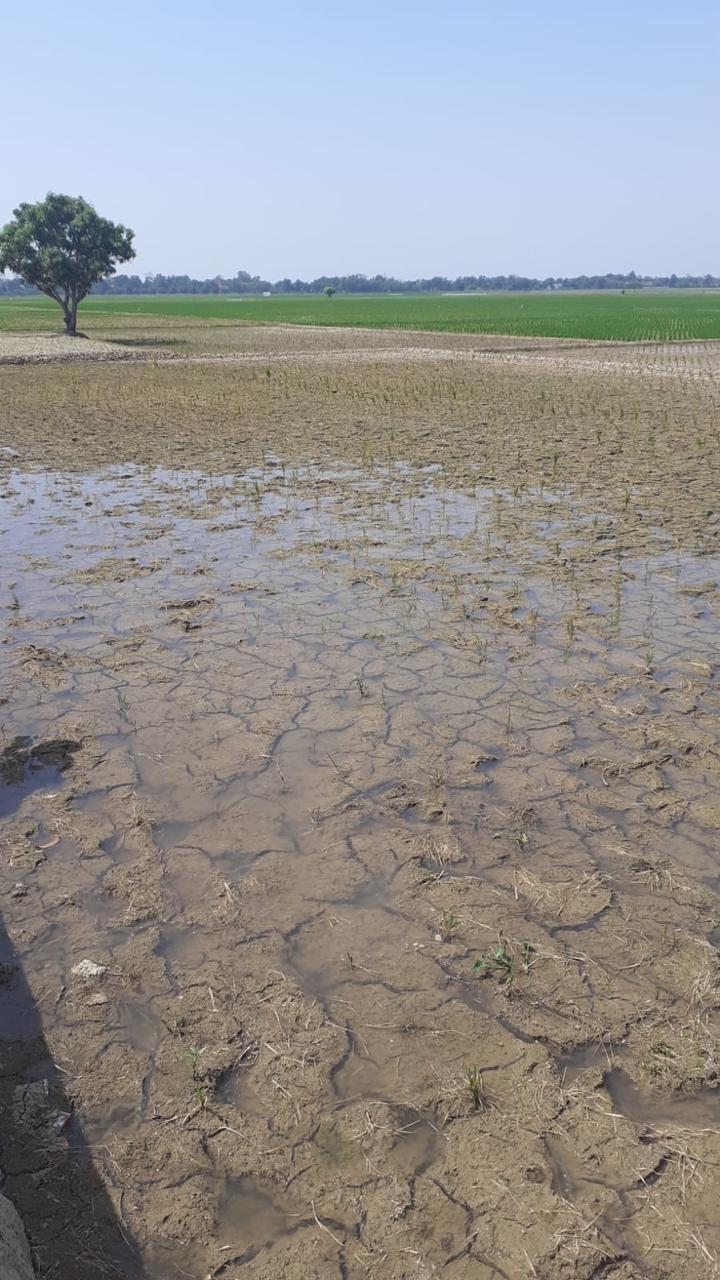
(635, 316)
(359, 776)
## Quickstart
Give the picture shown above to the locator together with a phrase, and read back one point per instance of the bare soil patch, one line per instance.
(359, 848)
(44, 348)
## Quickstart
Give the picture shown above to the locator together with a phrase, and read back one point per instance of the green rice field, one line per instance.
(670, 315)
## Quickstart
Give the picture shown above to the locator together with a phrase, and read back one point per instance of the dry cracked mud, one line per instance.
(360, 729)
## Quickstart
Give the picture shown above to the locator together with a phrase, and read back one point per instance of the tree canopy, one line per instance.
(63, 247)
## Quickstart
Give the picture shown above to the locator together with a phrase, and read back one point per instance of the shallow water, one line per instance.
(339, 732)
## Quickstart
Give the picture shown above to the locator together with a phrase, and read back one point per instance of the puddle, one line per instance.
(233, 1090)
(26, 766)
(183, 948)
(141, 1028)
(359, 1076)
(416, 1139)
(601, 1057)
(568, 1176)
(249, 1216)
(697, 1110)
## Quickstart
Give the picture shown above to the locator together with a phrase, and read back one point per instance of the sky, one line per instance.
(452, 137)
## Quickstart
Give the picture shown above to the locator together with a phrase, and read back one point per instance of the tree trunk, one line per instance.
(70, 314)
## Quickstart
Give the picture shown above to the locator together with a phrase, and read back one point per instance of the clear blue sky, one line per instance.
(296, 137)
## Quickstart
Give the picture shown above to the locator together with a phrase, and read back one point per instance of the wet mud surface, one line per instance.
(359, 820)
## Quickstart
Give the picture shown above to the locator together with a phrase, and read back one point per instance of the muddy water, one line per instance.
(389, 813)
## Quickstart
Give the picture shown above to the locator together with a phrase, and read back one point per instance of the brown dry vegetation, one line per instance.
(361, 720)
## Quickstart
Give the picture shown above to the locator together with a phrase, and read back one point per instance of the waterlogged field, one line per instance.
(631, 317)
(359, 846)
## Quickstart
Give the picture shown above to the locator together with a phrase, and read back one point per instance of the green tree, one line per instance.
(63, 247)
(328, 291)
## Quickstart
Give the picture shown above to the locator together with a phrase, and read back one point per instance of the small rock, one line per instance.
(99, 998)
(87, 969)
(19, 890)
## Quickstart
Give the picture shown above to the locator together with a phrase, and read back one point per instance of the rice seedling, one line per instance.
(193, 1056)
(666, 315)
(448, 926)
(504, 963)
(474, 1083)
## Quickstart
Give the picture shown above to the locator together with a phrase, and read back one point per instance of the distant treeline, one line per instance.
(243, 282)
